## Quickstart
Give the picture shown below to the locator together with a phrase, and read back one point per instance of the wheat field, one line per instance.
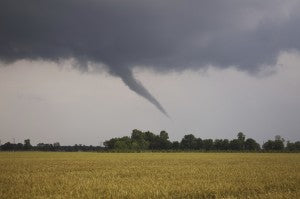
(149, 175)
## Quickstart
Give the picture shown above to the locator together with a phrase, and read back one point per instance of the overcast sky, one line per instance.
(85, 71)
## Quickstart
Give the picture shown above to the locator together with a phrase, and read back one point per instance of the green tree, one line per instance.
(218, 144)
(251, 145)
(175, 145)
(225, 144)
(164, 135)
(236, 145)
(149, 136)
(121, 145)
(269, 145)
(297, 146)
(241, 136)
(152, 139)
(208, 144)
(290, 146)
(188, 142)
(135, 146)
(199, 143)
(110, 144)
(137, 135)
(241, 139)
(27, 145)
(138, 140)
(164, 142)
(278, 143)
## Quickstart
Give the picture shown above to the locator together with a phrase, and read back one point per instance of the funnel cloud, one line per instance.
(164, 36)
(135, 85)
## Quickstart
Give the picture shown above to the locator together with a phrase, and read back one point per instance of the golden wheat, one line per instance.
(148, 175)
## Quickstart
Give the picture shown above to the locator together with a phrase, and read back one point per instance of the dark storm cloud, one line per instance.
(168, 35)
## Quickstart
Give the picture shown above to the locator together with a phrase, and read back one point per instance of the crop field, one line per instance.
(149, 175)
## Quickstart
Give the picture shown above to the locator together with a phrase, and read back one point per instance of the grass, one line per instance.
(149, 175)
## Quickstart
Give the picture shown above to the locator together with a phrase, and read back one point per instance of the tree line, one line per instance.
(47, 147)
(141, 141)
(148, 141)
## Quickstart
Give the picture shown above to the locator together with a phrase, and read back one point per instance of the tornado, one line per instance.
(136, 86)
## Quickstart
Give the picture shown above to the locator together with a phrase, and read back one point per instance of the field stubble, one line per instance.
(149, 175)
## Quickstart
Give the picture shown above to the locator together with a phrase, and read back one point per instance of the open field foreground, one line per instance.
(149, 175)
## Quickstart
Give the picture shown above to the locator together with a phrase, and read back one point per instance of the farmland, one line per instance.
(149, 175)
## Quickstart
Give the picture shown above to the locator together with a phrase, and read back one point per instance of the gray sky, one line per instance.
(215, 67)
(48, 103)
